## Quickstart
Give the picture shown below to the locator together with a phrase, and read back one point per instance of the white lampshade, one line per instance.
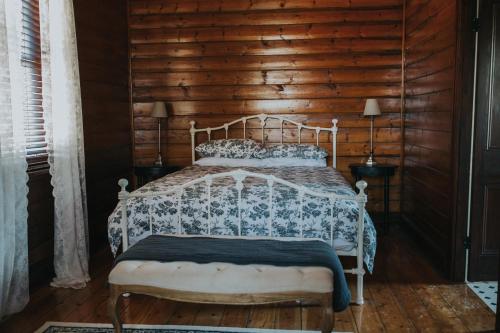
(159, 110)
(371, 108)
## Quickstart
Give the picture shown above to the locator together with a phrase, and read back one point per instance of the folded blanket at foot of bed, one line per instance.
(205, 250)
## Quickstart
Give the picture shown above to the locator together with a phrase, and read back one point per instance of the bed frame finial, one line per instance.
(334, 142)
(123, 196)
(123, 183)
(361, 185)
(192, 130)
(334, 122)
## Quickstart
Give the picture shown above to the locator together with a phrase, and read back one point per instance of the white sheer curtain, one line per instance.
(14, 293)
(63, 121)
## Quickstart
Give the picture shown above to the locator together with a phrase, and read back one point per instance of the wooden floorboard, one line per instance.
(235, 316)
(404, 294)
(262, 316)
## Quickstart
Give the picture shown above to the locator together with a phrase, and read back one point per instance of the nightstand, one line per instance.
(360, 170)
(145, 174)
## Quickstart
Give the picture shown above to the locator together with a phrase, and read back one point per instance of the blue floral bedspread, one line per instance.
(161, 212)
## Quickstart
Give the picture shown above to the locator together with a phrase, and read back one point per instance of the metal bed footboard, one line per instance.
(239, 176)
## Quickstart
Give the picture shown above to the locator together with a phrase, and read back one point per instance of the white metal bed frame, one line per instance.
(240, 175)
(263, 117)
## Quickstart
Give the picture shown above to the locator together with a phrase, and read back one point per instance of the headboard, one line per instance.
(263, 117)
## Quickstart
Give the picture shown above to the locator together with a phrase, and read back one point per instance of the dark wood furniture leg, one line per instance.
(359, 170)
(114, 313)
(328, 315)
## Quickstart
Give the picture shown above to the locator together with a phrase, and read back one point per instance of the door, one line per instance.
(485, 213)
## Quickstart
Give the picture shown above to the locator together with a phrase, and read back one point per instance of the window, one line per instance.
(36, 144)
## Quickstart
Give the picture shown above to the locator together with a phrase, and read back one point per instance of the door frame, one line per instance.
(463, 120)
(462, 129)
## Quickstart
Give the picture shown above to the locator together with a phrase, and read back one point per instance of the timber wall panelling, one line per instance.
(40, 228)
(430, 51)
(310, 60)
(101, 28)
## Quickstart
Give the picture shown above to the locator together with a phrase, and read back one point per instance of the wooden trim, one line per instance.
(130, 92)
(325, 300)
(462, 129)
(227, 299)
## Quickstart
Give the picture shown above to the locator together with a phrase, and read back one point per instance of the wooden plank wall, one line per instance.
(430, 49)
(101, 28)
(40, 227)
(218, 60)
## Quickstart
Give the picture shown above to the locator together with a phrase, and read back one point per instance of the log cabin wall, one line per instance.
(430, 70)
(101, 28)
(216, 61)
(40, 227)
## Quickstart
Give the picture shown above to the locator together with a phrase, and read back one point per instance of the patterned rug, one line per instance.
(487, 292)
(56, 327)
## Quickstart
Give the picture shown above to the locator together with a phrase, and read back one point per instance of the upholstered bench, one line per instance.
(222, 283)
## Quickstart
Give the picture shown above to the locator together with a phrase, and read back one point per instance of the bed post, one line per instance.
(123, 197)
(361, 199)
(334, 143)
(193, 132)
(263, 118)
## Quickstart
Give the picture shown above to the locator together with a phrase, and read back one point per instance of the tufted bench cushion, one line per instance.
(222, 278)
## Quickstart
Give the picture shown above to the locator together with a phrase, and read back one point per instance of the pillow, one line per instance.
(292, 150)
(231, 148)
(260, 163)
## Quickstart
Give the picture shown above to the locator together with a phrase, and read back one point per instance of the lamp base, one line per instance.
(371, 160)
(158, 161)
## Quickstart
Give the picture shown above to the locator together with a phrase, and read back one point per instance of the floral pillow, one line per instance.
(304, 151)
(231, 148)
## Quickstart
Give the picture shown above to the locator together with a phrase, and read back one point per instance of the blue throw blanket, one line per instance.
(204, 250)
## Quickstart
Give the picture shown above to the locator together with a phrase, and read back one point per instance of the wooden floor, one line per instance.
(405, 294)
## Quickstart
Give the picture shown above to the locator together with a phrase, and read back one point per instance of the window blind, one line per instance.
(36, 144)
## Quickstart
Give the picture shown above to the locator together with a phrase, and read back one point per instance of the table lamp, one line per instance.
(159, 111)
(371, 110)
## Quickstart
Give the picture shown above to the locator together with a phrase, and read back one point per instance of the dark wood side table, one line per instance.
(360, 170)
(145, 174)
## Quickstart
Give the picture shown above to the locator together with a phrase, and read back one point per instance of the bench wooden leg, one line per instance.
(114, 295)
(328, 315)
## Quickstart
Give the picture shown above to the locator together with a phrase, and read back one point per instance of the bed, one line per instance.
(251, 200)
